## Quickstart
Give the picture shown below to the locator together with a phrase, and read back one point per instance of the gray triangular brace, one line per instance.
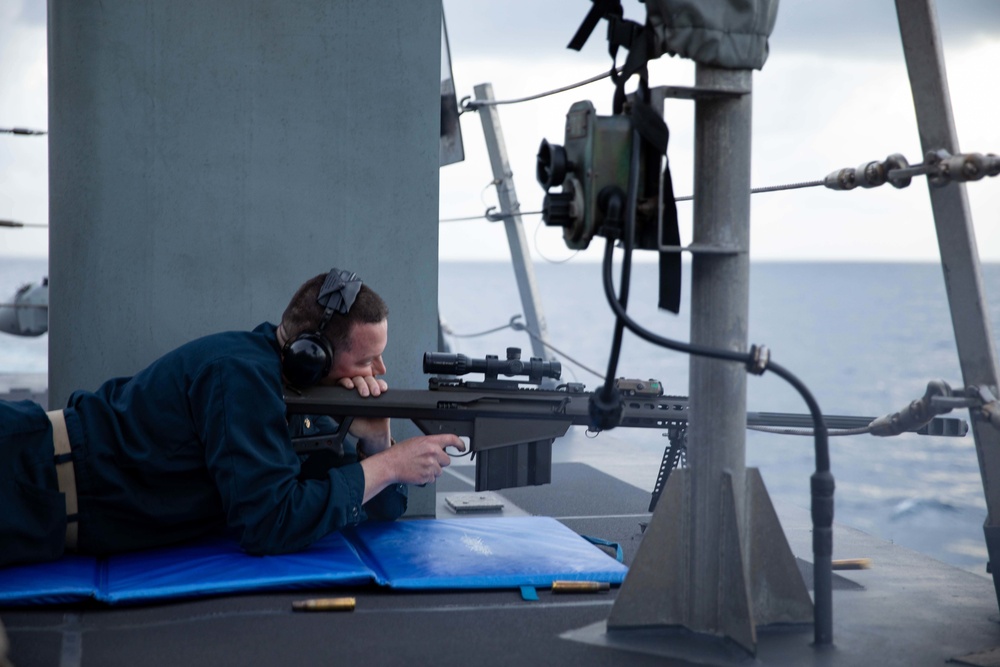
(768, 589)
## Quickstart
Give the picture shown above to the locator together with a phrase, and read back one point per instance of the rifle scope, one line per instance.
(442, 363)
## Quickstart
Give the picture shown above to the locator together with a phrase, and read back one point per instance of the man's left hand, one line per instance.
(372, 434)
(366, 386)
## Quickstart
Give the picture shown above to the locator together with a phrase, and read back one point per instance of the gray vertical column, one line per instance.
(719, 313)
(207, 157)
(713, 558)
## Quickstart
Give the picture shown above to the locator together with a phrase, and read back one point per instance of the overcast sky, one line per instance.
(833, 93)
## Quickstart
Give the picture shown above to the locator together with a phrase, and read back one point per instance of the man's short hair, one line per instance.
(304, 313)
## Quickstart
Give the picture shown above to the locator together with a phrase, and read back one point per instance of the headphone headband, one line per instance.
(337, 294)
(308, 357)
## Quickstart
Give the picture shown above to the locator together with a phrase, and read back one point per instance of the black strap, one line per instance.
(670, 262)
(633, 37)
(652, 128)
(654, 132)
(599, 10)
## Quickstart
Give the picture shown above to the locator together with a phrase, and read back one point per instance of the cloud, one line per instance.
(851, 29)
(525, 29)
(865, 29)
(833, 94)
(32, 12)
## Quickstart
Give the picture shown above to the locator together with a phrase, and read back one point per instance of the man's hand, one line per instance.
(418, 460)
(365, 385)
(373, 434)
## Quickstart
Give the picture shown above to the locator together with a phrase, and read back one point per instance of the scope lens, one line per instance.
(550, 165)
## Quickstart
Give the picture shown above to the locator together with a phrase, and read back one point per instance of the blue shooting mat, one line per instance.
(69, 579)
(483, 552)
(212, 566)
(218, 566)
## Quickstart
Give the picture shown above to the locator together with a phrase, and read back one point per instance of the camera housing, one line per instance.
(594, 159)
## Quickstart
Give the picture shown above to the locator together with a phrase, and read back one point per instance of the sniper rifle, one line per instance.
(511, 424)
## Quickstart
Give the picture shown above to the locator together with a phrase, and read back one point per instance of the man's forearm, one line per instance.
(373, 435)
(378, 476)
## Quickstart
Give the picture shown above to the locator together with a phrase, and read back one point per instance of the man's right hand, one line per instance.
(417, 460)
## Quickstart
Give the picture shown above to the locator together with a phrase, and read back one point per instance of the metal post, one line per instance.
(714, 559)
(524, 270)
(918, 27)
(719, 313)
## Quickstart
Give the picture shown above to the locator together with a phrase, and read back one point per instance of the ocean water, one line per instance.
(865, 338)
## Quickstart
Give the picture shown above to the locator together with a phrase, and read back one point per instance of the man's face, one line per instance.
(363, 356)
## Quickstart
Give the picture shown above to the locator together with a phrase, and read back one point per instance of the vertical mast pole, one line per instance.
(719, 315)
(524, 270)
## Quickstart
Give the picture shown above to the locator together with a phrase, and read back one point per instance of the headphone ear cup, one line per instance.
(307, 359)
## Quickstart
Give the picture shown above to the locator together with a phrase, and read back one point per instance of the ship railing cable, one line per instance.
(469, 104)
(23, 131)
(939, 166)
(467, 218)
(15, 224)
(810, 432)
(491, 215)
(768, 188)
(451, 332)
(938, 399)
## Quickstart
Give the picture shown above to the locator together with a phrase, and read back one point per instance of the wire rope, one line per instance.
(469, 104)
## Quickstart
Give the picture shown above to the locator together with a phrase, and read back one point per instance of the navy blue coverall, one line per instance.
(195, 444)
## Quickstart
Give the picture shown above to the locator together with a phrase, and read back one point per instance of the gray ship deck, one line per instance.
(908, 609)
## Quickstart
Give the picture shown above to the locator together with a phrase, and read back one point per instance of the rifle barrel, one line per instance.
(458, 409)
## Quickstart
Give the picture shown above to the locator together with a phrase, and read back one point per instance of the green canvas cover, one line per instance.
(720, 33)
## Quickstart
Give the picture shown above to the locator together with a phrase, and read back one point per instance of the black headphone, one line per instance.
(307, 358)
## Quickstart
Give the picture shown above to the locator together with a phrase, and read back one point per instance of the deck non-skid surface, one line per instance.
(907, 610)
